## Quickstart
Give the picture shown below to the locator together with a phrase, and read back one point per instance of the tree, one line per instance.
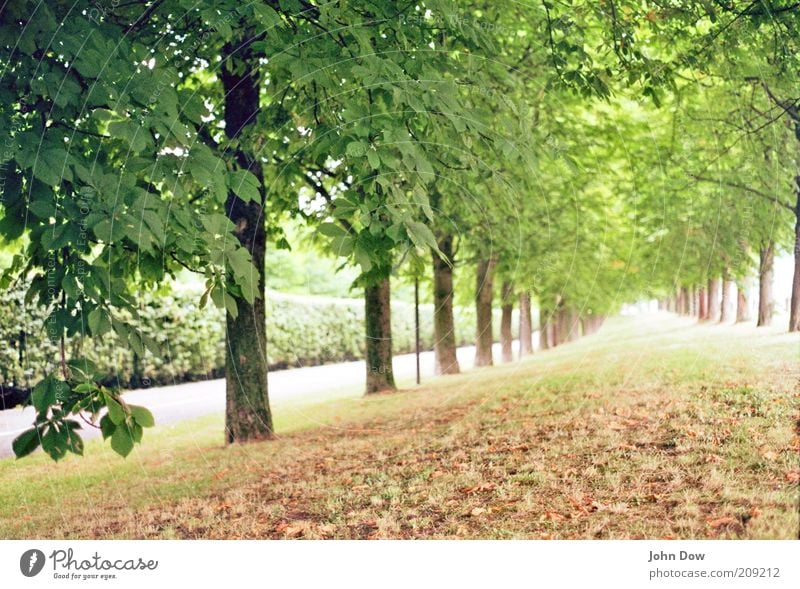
(247, 411)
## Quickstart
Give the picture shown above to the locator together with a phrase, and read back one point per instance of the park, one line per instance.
(290, 269)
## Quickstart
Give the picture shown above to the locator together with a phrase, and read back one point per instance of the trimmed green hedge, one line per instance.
(302, 331)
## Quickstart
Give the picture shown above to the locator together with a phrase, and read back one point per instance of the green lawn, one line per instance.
(652, 428)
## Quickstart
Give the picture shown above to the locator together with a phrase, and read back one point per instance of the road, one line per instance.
(286, 387)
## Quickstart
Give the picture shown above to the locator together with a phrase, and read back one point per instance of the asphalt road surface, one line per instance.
(286, 387)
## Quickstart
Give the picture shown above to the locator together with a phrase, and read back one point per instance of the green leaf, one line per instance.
(85, 369)
(107, 427)
(115, 410)
(142, 415)
(332, 230)
(50, 167)
(122, 441)
(421, 235)
(74, 443)
(374, 159)
(55, 442)
(245, 185)
(43, 395)
(231, 306)
(99, 322)
(26, 442)
(357, 148)
(134, 135)
(362, 257)
(266, 15)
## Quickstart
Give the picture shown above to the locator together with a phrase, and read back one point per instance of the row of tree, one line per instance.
(723, 300)
(576, 155)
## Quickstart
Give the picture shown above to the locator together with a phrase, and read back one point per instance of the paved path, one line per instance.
(286, 387)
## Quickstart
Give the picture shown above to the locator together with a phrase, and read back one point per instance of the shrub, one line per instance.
(302, 331)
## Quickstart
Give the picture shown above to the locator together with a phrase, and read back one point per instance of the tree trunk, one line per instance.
(544, 330)
(525, 325)
(765, 267)
(692, 298)
(573, 325)
(713, 299)
(742, 307)
(702, 304)
(555, 337)
(483, 307)
(247, 412)
(725, 306)
(378, 315)
(444, 333)
(794, 306)
(506, 339)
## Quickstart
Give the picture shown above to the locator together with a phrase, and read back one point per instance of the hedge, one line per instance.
(302, 331)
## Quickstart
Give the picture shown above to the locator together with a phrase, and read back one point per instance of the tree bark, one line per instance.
(483, 307)
(725, 305)
(555, 337)
(742, 307)
(766, 264)
(573, 325)
(507, 309)
(794, 305)
(247, 411)
(544, 330)
(525, 325)
(444, 333)
(702, 304)
(378, 316)
(713, 299)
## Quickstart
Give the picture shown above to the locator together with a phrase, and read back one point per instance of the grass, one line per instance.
(652, 428)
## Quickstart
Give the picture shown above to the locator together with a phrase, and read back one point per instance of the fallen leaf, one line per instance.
(478, 511)
(295, 530)
(722, 522)
(482, 488)
(555, 516)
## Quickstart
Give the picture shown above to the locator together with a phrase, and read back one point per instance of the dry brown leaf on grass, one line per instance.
(499, 449)
(482, 488)
(555, 516)
(293, 529)
(722, 522)
(584, 504)
(793, 476)
(770, 455)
